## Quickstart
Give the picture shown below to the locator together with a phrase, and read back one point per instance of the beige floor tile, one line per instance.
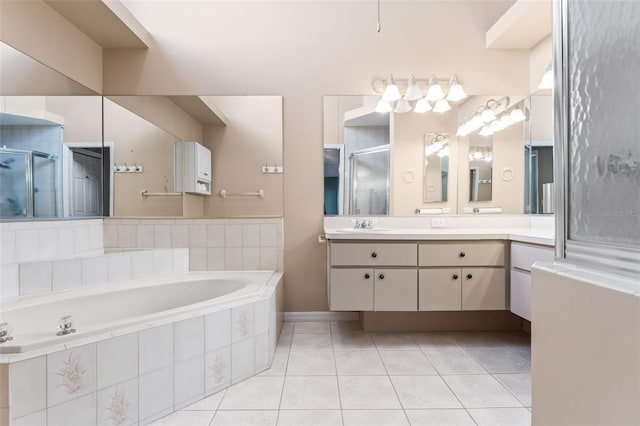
(367, 392)
(406, 363)
(362, 363)
(394, 341)
(440, 417)
(245, 418)
(353, 341)
(311, 363)
(284, 343)
(374, 418)
(519, 385)
(454, 361)
(417, 392)
(434, 341)
(310, 393)
(470, 339)
(305, 327)
(255, 393)
(279, 364)
(311, 342)
(501, 416)
(310, 418)
(499, 360)
(481, 391)
(287, 327)
(210, 403)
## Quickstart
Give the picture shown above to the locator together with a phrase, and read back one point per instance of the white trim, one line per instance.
(67, 171)
(321, 316)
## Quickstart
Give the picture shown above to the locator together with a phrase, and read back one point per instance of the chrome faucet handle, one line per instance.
(5, 332)
(65, 325)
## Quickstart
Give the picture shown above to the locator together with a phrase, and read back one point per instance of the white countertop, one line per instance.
(525, 235)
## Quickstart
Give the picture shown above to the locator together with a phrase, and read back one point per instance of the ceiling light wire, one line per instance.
(378, 27)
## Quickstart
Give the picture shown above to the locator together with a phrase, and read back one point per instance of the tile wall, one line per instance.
(214, 244)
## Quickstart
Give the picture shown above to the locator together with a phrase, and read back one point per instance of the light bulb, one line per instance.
(517, 115)
(402, 106)
(441, 106)
(434, 92)
(506, 121)
(496, 126)
(391, 93)
(456, 92)
(487, 115)
(486, 131)
(413, 91)
(476, 122)
(462, 131)
(384, 106)
(477, 155)
(488, 157)
(422, 105)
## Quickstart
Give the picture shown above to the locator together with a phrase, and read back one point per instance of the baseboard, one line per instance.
(321, 316)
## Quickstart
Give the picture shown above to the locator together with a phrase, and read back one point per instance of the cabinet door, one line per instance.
(483, 289)
(440, 289)
(351, 289)
(395, 290)
(203, 162)
(520, 294)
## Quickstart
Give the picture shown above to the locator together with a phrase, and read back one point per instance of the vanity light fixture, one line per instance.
(517, 115)
(391, 92)
(480, 154)
(437, 144)
(494, 116)
(486, 131)
(444, 152)
(547, 79)
(414, 89)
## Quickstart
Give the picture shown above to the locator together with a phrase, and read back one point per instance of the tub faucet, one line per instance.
(5, 332)
(65, 325)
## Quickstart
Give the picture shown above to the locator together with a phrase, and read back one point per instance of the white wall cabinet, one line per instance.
(192, 169)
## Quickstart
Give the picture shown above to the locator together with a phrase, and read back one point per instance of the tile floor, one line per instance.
(331, 373)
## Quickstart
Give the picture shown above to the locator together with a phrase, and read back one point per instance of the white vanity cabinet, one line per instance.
(192, 168)
(464, 275)
(523, 256)
(372, 276)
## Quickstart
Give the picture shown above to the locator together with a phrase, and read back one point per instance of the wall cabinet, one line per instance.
(523, 256)
(192, 168)
(407, 276)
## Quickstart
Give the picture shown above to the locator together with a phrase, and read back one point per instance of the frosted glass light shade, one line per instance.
(413, 91)
(496, 126)
(441, 106)
(434, 92)
(506, 121)
(487, 115)
(402, 106)
(456, 92)
(384, 106)
(391, 93)
(443, 152)
(486, 131)
(422, 105)
(547, 79)
(517, 115)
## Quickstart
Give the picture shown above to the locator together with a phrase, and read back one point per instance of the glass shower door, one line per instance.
(44, 185)
(15, 201)
(369, 181)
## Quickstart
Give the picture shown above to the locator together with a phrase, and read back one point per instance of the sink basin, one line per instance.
(362, 230)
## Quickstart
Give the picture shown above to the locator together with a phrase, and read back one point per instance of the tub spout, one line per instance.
(65, 325)
(5, 332)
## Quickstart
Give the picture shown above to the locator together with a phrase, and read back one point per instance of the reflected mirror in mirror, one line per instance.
(480, 167)
(356, 156)
(539, 155)
(436, 167)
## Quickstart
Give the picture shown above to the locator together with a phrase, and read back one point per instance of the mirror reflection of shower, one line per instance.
(369, 181)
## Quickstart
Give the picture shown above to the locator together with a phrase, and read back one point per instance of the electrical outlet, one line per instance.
(437, 223)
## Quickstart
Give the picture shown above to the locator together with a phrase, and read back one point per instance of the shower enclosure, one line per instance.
(27, 184)
(369, 181)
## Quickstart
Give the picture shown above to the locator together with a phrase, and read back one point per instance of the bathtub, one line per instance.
(142, 348)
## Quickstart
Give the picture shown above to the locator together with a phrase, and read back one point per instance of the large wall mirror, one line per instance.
(436, 167)
(55, 163)
(539, 186)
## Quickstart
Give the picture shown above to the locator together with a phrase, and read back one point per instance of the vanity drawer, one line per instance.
(523, 256)
(462, 254)
(373, 254)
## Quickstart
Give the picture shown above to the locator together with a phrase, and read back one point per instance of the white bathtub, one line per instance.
(163, 343)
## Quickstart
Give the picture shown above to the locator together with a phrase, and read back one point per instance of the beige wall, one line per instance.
(36, 29)
(239, 150)
(539, 59)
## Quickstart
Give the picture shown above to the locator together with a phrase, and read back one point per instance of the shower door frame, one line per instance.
(353, 188)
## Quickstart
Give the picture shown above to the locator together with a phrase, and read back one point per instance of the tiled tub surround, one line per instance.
(63, 274)
(27, 241)
(214, 244)
(147, 370)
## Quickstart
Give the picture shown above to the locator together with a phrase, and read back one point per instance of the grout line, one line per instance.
(335, 365)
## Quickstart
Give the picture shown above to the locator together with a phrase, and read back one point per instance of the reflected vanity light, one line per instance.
(480, 154)
(435, 99)
(547, 79)
(486, 131)
(494, 116)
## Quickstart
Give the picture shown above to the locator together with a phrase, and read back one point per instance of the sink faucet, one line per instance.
(364, 223)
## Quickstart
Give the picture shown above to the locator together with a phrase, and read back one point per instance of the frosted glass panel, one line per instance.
(604, 121)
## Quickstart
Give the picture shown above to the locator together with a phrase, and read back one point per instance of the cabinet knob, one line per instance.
(455, 276)
(381, 276)
(367, 276)
(469, 276)
(462, 254)
(374, 254)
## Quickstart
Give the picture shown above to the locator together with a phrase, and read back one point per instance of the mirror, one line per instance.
(480, 167)
(436, 167)
(539, 155)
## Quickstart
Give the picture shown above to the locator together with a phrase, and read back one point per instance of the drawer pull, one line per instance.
(367, 276)
(462, 254)
(381, 276)
(374, 254)
(455, 276)
(469, 276)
